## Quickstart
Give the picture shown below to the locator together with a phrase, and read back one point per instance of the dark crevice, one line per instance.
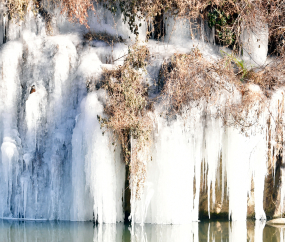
(157, 30)
(46, 16)
(127, 190)
(127, 196)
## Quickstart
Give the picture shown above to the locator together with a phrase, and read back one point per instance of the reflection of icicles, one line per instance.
(258, 230)
(209, 232)
(282, 238)
(138, 234)
(237, 231)
(107, 233)
(166, 233)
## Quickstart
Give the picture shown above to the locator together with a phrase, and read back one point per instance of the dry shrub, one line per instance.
(190, 77)
(126, 110)
(269, 78)
(17, 8)
(77, 10)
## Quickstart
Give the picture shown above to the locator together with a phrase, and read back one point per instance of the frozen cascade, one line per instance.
(103, 172)
(177, 153)
(9, 135)
(43, 82)
(57, 164)
(200, 139)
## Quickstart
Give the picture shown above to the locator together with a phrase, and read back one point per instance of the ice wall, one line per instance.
(47, 126)
(37, 94)
(190, 152)
(57, 164)
(173, 173)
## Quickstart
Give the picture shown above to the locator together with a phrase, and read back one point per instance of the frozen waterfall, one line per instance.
(56, 163)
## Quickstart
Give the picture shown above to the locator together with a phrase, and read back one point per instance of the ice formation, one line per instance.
(57, 164)
(98, 184)
(255, 41)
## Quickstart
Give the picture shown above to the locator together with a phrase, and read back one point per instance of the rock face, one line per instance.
(277, 221)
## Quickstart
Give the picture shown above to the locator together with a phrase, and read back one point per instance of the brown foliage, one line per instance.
(190, 77)
(126, 111)
(127, 103)
(77, 10)
(17, 8)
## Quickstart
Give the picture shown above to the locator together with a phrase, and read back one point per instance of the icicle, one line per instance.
(214, 35)
(213, 139)
(202, 31)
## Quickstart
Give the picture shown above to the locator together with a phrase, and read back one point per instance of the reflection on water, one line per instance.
(44, 231)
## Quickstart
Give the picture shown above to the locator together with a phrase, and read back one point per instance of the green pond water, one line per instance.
(41, 231)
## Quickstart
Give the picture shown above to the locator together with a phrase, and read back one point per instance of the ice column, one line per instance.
(97, 173)
(9, 135)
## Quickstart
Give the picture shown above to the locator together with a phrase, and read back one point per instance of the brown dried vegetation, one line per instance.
(126, 110)
(17, 8)
(127, 101)
(228, 17)
(190, 78)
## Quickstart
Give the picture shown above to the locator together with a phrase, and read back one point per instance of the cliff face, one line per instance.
(57, 163)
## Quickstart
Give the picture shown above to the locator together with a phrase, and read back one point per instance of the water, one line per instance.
(29, 231)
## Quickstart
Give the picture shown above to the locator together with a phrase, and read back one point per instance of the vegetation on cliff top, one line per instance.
(228, 17)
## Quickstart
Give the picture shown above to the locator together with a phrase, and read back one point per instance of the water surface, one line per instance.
(47, 231)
